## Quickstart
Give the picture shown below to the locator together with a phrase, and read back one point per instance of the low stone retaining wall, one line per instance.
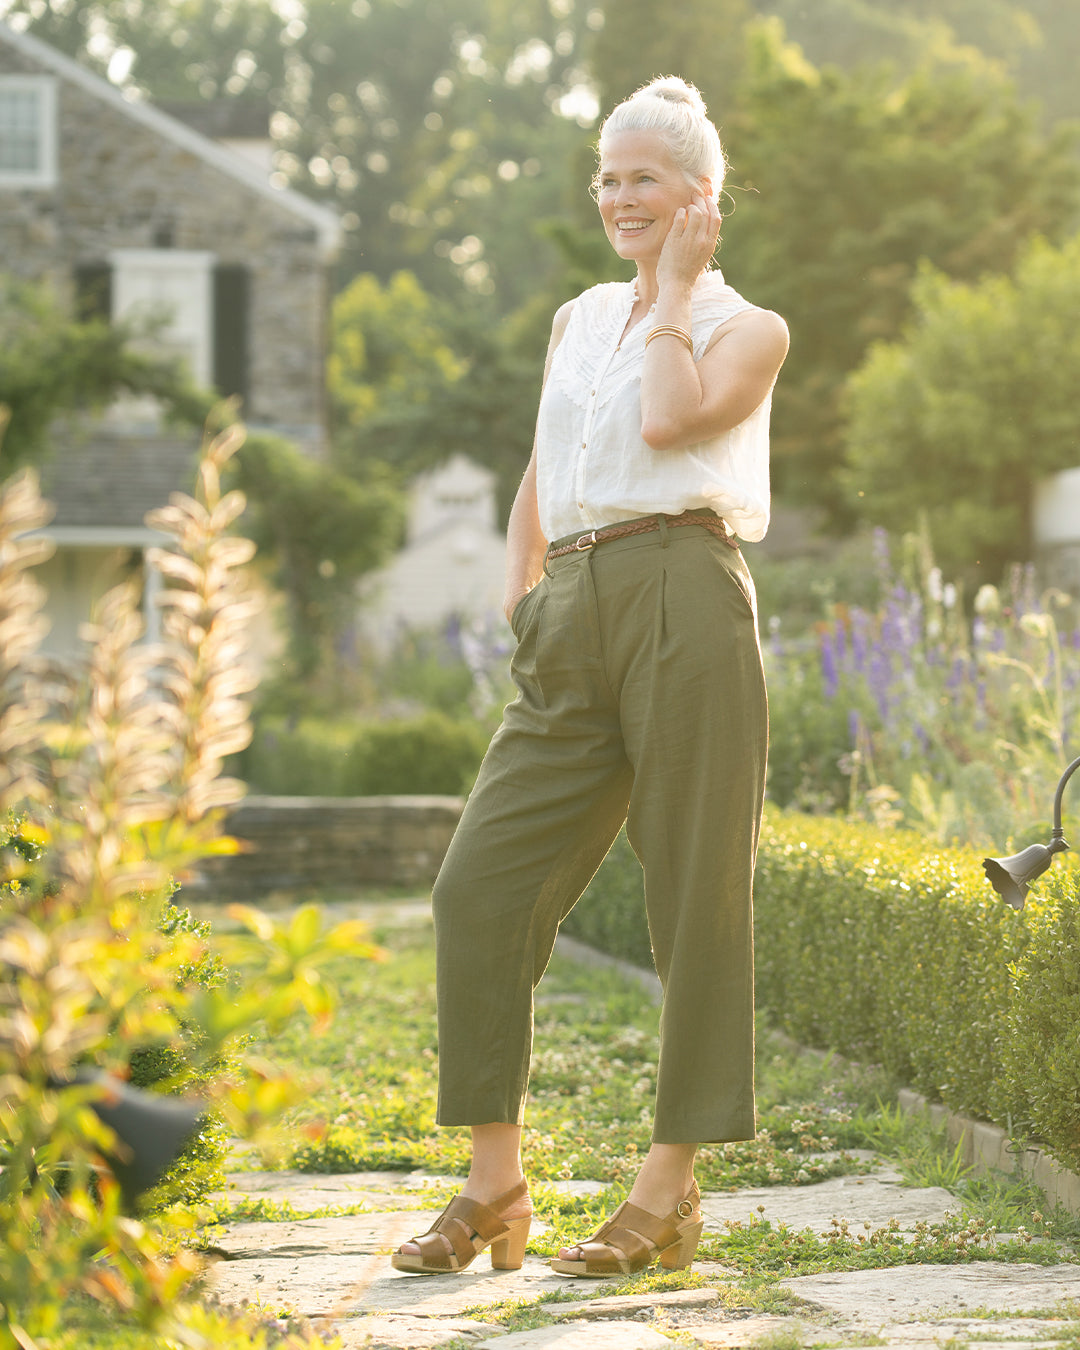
(331, 846)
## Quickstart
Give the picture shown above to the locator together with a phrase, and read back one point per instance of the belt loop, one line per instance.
(661, 525)
(547, 554)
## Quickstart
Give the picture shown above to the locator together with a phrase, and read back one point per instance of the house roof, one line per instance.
(325, 221)
(106, 484)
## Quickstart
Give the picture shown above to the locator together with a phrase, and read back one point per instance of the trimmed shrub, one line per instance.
(611, 913)
(898, 953)
(318, 758)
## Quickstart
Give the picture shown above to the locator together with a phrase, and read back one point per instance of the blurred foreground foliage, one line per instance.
(113, 768)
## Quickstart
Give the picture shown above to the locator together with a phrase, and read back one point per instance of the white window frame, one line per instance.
(44, 175)
(197, 269)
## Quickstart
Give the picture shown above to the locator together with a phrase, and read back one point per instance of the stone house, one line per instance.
(123, 210)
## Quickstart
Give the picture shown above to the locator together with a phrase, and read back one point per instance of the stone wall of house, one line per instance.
(123, 185)
(329, 846)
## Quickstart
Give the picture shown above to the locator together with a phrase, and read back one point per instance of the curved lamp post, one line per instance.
(1012, 876)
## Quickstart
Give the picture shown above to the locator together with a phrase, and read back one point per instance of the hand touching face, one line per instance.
(691, 240)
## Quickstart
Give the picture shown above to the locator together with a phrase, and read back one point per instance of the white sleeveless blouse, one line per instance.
(594, 469)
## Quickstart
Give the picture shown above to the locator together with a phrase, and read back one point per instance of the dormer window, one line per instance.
(27, 131)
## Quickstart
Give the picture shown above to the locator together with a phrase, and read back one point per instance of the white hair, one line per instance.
(676, 112)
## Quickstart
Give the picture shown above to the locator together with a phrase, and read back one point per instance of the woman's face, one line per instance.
(639, 190)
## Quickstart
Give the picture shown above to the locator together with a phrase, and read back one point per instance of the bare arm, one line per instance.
(525, 542)
(683, 401)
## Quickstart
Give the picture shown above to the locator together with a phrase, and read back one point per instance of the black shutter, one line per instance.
(93, 291)
(232, 292)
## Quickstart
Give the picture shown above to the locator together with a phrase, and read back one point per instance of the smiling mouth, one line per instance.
(632, 226)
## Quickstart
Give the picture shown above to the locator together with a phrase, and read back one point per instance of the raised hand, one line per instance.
(690, 242)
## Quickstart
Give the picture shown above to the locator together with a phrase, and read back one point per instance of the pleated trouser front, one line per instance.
(640, 698)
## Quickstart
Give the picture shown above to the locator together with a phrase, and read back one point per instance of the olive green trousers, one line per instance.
(641, 699)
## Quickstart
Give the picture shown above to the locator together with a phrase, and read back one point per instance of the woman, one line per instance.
(640, 698)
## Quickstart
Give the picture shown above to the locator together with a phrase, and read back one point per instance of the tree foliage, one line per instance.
(389, 349)
(1037, 42)
(320, 531)
(415, 379)
(843, 184)
(976, 402)
(701, 40)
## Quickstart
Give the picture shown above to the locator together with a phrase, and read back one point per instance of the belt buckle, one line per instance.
(586, 541)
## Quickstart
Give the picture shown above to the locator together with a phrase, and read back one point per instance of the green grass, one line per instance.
(373, 1077)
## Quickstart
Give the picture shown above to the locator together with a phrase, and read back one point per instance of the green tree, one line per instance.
(388, 350)
(977, 401)
(415, 379)
(701, 40)
(320, 531)
(1037, 42)
(842, 184)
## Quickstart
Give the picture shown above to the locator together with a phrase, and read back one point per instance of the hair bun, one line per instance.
(673, 89)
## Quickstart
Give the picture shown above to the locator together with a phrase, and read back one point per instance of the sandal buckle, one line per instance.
(687, 1212)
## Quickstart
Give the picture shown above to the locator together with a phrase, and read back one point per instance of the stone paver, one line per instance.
(1015, 1330)
(347, 1235)
(573, 1336)
(409, 1333)
(328, 1284)
(747, 1331)
(626, 1305)
(873, 1298)
(872, 1199)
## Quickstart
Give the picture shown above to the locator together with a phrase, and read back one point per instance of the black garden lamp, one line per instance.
(1011, 877)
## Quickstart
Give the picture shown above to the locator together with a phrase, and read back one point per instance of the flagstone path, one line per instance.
(335, 1271)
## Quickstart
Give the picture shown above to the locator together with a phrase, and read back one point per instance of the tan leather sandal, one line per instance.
(633, 1239)
(469, 1227)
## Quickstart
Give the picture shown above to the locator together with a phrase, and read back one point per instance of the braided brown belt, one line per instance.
(645, 525)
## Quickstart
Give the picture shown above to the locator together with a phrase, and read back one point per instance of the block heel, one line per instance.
(682, 1253)
(508, 1251)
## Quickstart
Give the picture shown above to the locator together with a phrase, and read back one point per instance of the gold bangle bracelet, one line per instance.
(670, 330)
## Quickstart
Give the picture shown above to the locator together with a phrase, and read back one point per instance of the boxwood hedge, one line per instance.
(885, 948)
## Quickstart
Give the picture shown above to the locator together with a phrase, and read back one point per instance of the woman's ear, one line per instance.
(707, 188)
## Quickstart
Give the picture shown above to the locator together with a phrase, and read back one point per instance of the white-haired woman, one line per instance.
(640, 699)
